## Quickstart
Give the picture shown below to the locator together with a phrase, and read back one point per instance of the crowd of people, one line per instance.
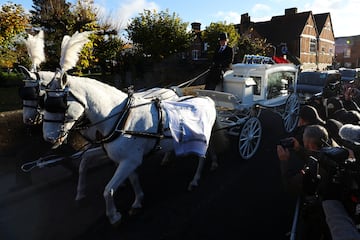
(329, 125)
(325, 124)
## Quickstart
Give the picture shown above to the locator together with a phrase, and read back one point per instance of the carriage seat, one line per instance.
(222, 99)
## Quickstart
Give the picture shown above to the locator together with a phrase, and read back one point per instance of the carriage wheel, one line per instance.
(291, 113)
(249, 139)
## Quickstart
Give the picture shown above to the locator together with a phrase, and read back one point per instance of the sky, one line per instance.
(344, 13)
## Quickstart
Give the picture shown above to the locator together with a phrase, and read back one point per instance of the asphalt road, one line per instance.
(239, 200)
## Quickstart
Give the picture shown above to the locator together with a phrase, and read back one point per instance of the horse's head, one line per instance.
(62, 110)
(32, 93)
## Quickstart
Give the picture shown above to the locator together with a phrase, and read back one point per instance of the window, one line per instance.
(279, 83)
(195, 54)
(347, 53)
(313, 45)
(257, 87)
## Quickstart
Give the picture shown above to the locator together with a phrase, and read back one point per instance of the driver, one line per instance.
(222, 61)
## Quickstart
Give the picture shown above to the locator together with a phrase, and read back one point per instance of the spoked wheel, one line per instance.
(249, 139)
(291, 113)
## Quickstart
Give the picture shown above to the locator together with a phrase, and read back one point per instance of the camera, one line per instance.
(287, 143)
(339, 169)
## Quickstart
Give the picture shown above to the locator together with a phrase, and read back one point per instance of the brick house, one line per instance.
(347, 51)
(306, 37)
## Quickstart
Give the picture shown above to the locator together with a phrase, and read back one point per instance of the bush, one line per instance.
(10, 79)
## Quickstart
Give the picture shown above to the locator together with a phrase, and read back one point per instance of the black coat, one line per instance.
(223, 59)
(222, 62)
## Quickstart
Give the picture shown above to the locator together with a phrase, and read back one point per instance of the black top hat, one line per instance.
(223, 36)
(310, 114)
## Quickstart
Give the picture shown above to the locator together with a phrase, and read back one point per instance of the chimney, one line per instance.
(195, 26)
(290, 11)
(245, 18)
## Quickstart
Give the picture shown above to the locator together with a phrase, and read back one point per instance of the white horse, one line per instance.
(128, 127)
(32, 94)
(35, 81)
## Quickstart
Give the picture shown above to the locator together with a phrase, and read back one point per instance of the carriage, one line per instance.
(255, 84)
(128, 126)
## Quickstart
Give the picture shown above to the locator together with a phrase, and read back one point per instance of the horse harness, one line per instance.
(58, 104)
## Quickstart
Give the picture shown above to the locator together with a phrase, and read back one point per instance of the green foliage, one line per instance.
(253, 46)
(55, 18)
(13, 22)
(85, 20)
(10, 78)
(107, 50)
(158, 35)
(211, 34)
(59, 18)
(9, 99)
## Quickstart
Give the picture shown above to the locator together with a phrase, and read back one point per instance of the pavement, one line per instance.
(37, 180)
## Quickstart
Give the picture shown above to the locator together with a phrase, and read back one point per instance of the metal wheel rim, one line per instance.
(249, 139)
(291, 113)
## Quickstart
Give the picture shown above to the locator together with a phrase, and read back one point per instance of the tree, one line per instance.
(251, 46)
(13, 22)
(158, 35)
(85, 16)
(211, 34)
(108, 51)
(56, 19)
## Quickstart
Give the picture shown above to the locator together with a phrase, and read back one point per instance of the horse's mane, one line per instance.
(35, 48)
(70, 49)
(46, 76)
(95, 86)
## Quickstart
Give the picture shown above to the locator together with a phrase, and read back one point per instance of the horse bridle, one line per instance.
(30, 91)
(58, 103)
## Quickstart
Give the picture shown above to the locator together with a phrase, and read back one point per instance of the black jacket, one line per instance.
(223, 59)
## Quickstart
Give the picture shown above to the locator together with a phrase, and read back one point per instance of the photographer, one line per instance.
(314, 138)
(338, 193)
(292, 157)
(351, 98)
(337, 187)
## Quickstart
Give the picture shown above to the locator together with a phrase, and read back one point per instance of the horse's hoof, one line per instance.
(82, 202)
(135, 212)
(117, 224)
(116, 220)
(214, 166)
(192, 187)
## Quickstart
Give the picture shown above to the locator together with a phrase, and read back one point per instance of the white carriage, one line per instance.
(256, 83)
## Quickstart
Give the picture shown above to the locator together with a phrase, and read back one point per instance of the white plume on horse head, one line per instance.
(70, 49)
(35, 47)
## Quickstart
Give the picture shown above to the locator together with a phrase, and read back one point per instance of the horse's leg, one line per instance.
(123, 171)
(214, 160)
(90, 155)
(167, 158)
(195, 182)
(139, 194)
